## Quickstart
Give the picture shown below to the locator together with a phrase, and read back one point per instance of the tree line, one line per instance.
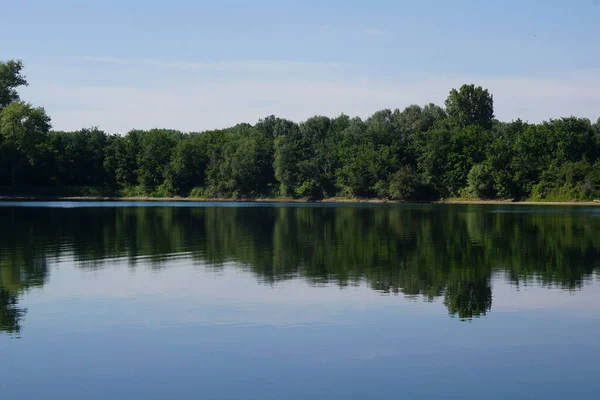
(418, 153)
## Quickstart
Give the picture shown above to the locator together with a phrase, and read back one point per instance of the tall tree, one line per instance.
(120, 159)
(22, 131)
(10, 79)
(571, 139)
(357, 155)
(154, 156)
(188, 166)
(79, 156)
(470, 105)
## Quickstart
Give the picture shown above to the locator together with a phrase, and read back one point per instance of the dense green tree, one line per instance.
(187, 167)
(154, 156)
(120, 159)
(470, 105)
(79, 157)
(571, 139)
(467, 148)
(10, 79)
(431, 116)
(319, 136)
(569, 181)
(406, 185)
(285, 164)
(384, 129)
(358, 158)
(274, 127)
(305, 162)
(23, 129)
(242, 165)
(434, 149)
(236, 171)
(481, 181)
(530, 157)
(500, 159)
(410, 120)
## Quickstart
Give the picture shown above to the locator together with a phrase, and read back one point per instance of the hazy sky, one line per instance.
(195, 65)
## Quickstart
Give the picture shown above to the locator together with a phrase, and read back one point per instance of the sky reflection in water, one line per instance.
(261, 301)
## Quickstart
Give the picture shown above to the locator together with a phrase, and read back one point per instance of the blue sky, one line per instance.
(194, 65)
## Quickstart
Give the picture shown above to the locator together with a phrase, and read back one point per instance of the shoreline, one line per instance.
(291, 200)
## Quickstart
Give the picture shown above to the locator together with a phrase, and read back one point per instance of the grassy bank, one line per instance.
(76, 193)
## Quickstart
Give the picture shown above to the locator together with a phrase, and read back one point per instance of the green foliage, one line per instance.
(22, 133)
(120, 159)
(187, 167)
(242, 165)
(10, 80)
(405, 185)
(530, 157)
(571, 139)
(358, 157)
(318, 159)
(285, 164)
(154, 156)
(133, 191)
(306, 160)
(197, 192)
(498, 160)
(434, 149)
(79, 157)
(481, 181)
(39, 191)
(467, 148)
(161, 191)
(410, 154)
(470, 105)
(572, 181)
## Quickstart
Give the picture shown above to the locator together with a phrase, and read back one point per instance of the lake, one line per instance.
(175, 300)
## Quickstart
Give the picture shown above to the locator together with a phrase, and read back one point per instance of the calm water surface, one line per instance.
(275, 301)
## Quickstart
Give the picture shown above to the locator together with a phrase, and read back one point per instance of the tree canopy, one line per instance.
(416, 153)
(470, 105)
(10, 80)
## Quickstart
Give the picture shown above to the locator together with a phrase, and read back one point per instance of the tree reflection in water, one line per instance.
(433, 251)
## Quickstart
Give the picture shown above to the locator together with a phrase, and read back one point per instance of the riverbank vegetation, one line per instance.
(418, 153)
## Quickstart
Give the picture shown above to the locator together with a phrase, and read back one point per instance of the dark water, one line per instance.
(255, 301)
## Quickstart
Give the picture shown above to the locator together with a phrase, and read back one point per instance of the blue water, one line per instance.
(161, 300)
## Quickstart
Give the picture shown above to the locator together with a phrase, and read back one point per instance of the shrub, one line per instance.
(480, 182)
(407, 184)
(572, 181)
(197, 192)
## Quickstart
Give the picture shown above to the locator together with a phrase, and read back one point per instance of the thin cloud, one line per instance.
(376, 32)
(227, 66)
